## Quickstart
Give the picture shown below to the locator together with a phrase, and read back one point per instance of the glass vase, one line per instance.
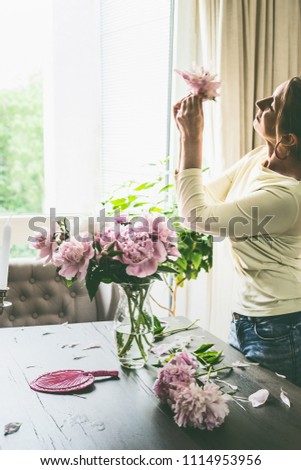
(134, 325)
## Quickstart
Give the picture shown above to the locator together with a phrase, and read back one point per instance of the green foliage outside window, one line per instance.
(21, 149)
(21, 153)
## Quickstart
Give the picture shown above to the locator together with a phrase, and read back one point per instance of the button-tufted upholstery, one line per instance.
(40, 297)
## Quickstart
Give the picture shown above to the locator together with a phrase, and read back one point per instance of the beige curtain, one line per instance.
(253, 45)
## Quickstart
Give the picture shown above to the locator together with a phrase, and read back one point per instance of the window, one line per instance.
(21, 107)
(136, 51)
(107, 91)
(101, 110)
(21, 112)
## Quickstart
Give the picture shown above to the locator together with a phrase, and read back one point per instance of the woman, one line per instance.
(256, 203)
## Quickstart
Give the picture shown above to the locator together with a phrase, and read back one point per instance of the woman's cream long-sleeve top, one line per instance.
(259, 210)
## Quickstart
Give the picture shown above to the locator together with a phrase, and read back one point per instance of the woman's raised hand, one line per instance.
(189, 117)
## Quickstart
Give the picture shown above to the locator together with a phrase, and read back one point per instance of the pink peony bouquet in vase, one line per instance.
(131, 253)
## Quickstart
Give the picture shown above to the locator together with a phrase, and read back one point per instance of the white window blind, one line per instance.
(136, 50)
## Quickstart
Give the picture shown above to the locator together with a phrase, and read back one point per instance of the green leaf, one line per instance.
(155, 209)
(69, 282)
(145, 185)
(159, 364)
(203, 348)
(165, 188)
(138, 204)
(92, 283)
(156, 276)
(158, 327)
(182, 263)
(132, 198)
(122, 207)
(196, 259)
(115, 252)
(166, 269)
(118, 202)
(210, 357)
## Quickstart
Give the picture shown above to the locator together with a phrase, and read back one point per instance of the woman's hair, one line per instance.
(289, 114)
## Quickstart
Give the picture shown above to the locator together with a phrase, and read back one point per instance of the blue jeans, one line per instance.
(274, 342)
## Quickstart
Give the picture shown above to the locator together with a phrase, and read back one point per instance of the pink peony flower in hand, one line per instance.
(201, 82)
(200, 407)
(73, 258)
(47, 247)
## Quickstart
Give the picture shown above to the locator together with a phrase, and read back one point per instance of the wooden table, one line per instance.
(125, 414)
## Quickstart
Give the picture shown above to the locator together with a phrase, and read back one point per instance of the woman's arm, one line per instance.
(264, 212)
(188, 114)
(268, 211)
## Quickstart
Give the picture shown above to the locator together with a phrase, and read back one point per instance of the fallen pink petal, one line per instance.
(233, 387)
(280, 375)
(242, 365)
(160, 349)
(284, 398)
(92, 346)
(259, 398)
(10, 428)
(179, 343)
(69, 345)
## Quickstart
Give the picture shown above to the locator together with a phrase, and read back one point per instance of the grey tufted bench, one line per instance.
(39, 297)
